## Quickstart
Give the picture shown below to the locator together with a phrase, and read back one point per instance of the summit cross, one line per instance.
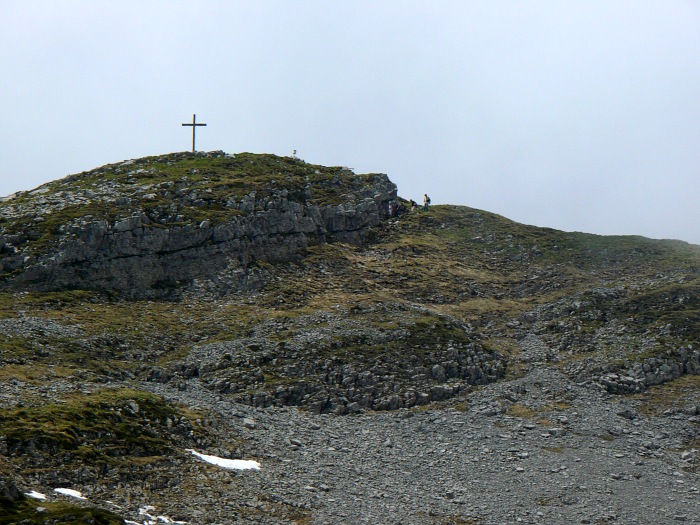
(194, 127)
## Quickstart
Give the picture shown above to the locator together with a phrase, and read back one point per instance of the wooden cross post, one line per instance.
(194, 127)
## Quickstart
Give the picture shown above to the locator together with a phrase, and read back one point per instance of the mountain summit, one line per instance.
(162, 317)
(149, 226)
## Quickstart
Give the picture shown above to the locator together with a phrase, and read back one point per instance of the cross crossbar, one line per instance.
(194, 127)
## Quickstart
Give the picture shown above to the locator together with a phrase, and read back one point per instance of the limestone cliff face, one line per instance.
(141, 250)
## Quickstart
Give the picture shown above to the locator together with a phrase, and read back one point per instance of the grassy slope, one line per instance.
(478, 267)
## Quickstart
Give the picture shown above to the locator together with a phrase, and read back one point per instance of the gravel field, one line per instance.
(594, 459)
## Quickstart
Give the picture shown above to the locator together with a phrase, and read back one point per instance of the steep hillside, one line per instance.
(141, 301)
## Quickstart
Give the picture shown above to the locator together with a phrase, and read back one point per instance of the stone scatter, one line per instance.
(583, 460)
(424, 466)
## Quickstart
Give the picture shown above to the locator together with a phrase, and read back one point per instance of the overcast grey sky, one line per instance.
(577, 115)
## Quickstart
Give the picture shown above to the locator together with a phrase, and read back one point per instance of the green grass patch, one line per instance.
(672, 395)
(106, 424)
(24, 511)
(521, 411)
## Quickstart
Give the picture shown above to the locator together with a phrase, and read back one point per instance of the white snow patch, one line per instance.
(36, 495)
(70, 492)
(154, 520)
(238, 464)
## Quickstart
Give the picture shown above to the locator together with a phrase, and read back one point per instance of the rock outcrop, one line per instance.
(306, 370)
(152, 251)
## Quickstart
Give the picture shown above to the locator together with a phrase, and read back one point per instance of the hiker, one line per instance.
(412, 204)
(426, 202)
(392, 209)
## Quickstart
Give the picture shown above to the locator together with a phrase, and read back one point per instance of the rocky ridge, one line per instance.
(131, 228)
